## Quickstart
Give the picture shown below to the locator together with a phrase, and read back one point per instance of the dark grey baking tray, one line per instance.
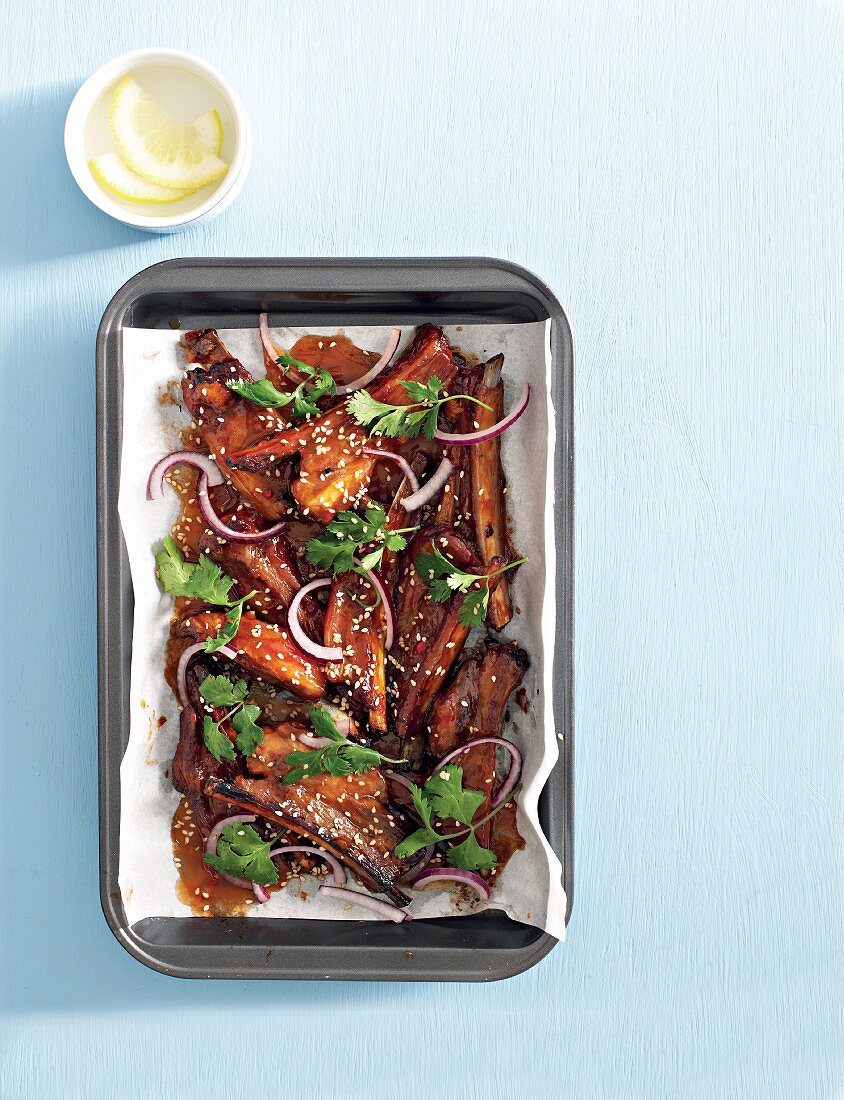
(202, 293)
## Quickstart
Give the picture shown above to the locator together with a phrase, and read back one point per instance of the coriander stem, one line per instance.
(465, 397)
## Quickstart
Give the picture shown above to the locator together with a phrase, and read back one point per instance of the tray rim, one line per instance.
(345, 964)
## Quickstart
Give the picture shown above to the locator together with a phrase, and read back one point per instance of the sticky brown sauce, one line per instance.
(343, 360)
(197, 887)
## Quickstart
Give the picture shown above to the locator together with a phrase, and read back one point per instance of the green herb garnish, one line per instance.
(341, 757)
(220, 692)
(303, 399)
(336, 547)
(242, 853)
(408, 421)
(201, 581)
(444, 798)
(444, 578)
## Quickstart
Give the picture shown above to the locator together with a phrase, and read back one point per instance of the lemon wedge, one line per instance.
(157, 148)
(112, 174)
(210, 130)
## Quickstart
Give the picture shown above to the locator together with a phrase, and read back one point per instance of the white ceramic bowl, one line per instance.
(86, 119)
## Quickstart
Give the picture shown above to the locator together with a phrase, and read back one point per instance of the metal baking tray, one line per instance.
(227, 293)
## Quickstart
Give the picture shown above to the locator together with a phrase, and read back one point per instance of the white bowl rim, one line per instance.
(89, 93)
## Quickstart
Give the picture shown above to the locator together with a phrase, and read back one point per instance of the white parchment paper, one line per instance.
(529, 889)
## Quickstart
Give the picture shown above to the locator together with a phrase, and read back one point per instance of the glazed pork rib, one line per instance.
(334, 472)
(263, 649)
(488, 507)
(348, 816)
(270, 566)
(473, 706)
(228, 422)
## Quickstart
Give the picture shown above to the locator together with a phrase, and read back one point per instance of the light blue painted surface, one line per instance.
(675, 171)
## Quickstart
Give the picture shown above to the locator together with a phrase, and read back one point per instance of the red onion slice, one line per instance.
(211, 850)
(335, 865)
(270, 349)
(222, 529)
(185, 660)
(323, 652)
(399, 460)
(464, 439)
(382, 908)
(374, 371)
(431, 487)
(512, 777)
(452, 874)
(204, 463)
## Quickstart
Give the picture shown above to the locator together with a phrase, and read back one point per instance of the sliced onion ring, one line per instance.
(185, 659)
(223, 529)
(270, 349)
(453, 874)
(374, 371)
(204, 463)
(400, 461)
(484, 435)
(211, 850)
(366, 901)
(323, 652)
(512, 777)
(431, 487)
(334, 864)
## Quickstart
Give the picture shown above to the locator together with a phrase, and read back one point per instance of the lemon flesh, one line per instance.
(210, 129)
(112, 174)
(158, 149)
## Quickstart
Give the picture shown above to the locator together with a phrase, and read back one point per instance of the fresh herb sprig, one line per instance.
(336, 547)
(407, 421)
(444, 578)
(203, 580)
(219, 691)
(444, 798)
(341, 757)
(303, 398)
(242, 853)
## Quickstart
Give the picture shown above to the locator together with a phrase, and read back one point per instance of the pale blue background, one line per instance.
(675, 171)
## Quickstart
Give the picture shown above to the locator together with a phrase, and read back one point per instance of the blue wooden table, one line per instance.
(676, 172)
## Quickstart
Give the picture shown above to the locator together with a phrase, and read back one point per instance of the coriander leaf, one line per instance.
(330, 553)
(371, 560)
(361, 758)
(262, 392)
(422, 805)
(323, 724)
(242, 853)
(444, 790)
(370, 412)
(219, 692)
(208, 582)
(394, 541)
(411, 844)
(249, 734)
(173, 571)
(228, 631)
(215, 740)
(376, 517)
(470, 856)
(423, 391)
(475, 604)
(287, 361)
(429, 569)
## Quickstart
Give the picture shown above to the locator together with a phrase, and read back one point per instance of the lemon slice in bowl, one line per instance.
(112, 174)
(156, 147)
(210, 129)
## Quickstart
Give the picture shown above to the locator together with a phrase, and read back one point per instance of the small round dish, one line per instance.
(192, 82)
